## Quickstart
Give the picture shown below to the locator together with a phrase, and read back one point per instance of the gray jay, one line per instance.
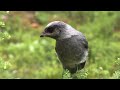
(71, 45)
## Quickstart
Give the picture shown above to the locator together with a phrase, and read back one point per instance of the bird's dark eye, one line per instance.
(49, 30)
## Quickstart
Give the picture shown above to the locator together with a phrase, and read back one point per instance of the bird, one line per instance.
(71, 45)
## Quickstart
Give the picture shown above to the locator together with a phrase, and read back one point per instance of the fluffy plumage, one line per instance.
(71, 45)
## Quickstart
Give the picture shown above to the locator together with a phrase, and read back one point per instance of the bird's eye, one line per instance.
(49, 30)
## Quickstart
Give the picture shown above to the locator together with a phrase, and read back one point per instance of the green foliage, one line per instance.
(4, 35)
(23, 54)
(82, 74)
(42, 17)
(116, 74)
(66, 74)
(4, 64)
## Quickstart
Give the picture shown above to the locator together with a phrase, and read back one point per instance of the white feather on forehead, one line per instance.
(54, 22)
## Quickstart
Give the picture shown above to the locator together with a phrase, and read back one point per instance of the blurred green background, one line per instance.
(23, 54)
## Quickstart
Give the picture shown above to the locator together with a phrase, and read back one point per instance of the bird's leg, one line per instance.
(73, 75)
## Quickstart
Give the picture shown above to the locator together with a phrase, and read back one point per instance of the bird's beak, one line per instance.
(44, 34)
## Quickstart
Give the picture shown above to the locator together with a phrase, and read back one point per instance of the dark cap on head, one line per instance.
(53, 29)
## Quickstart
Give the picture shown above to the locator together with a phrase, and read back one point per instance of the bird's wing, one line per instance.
(82, 50)
(81, 40)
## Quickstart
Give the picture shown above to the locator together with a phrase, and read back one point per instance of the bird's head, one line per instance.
(54, 29)
(59, 30)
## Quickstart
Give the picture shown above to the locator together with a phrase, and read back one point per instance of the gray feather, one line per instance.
(72, 51)
(71, 45)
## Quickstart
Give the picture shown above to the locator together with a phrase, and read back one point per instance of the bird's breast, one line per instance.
(68, 50)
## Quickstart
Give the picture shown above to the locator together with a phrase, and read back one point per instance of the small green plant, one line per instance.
(3, 35)
(66, 74)
(116, 74)
(4, 64)
(82, 74)
(3, 32)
